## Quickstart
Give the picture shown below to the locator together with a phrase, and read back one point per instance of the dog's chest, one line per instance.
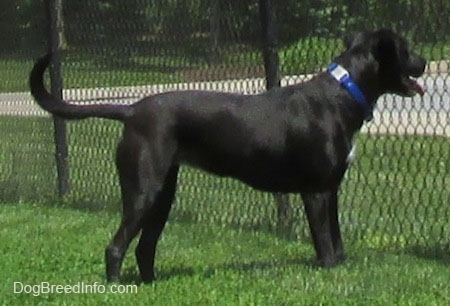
(351, 155)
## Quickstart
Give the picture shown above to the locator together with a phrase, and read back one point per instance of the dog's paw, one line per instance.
(148, 278)
(327, 262)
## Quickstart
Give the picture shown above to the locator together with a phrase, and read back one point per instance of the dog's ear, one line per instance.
(384, 47)
(348, 40)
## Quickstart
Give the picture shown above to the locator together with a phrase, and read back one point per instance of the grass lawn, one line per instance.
(200, 264)
(221, 246)
(411, 172)
(312, 54)
(82, 69)
(91, 69)
(91, 72)
(406, 170)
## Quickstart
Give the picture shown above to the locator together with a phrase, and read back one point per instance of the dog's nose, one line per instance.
(417, 66)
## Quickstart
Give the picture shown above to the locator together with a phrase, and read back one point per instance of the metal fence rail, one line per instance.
(396, 194)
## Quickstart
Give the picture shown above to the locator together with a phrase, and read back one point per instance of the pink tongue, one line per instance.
(416, 87)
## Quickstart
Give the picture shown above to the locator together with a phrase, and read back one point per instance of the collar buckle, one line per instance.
(341, 75)
(338, 72)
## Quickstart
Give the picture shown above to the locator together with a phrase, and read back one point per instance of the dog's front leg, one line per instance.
(324, 228)
(336, 237)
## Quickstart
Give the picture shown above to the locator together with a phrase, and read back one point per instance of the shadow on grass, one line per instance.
(287, 232)
(131, 275)
(438, 252)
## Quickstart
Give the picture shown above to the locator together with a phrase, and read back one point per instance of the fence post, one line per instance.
(272, 69)
(54, 19)
(269, 43)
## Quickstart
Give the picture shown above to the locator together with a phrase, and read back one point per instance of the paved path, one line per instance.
(429, 114)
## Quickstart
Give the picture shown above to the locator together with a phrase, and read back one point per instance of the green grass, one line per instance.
(14, 76)
(91, 72)
(221, 246)
(434, 52)
(393, 194)
(83, 69)
(206, 264)
(311, 54)
(308, 55)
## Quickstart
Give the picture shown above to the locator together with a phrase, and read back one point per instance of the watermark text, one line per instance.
(76, 288)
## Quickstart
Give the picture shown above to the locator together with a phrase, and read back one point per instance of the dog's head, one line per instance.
(396, 65)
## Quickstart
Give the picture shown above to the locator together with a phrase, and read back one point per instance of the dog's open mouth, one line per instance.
(412, 86)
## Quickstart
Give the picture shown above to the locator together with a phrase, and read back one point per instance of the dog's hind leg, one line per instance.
(138, 183)
(317, 206)
(154, 222)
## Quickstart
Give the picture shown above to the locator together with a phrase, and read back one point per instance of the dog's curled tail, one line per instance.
(66, 110)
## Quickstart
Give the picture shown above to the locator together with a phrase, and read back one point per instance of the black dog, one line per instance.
(292, 139)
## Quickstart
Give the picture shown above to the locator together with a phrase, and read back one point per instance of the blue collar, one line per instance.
(341, 75)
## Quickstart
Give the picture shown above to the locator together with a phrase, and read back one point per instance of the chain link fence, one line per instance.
(396, 194)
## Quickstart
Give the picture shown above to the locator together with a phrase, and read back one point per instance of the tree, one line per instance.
(9, 29)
